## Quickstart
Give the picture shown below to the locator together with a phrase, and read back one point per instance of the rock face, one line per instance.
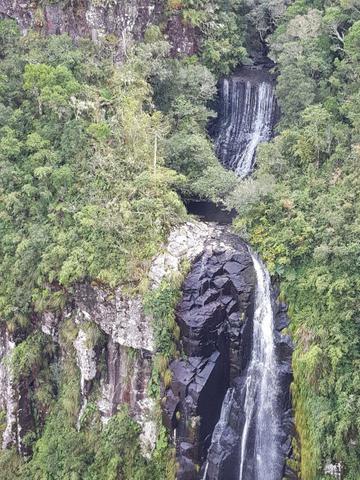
(185, 243)
(113, 346)
(125, 381)
(111, 329)
(224, 453)
(124, 21)
(205, 404)
(129, 342)
(8, 392)
(335, 470)
(14, 398)
(119, 316)
(213, 317)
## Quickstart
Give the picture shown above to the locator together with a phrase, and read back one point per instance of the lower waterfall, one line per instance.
(261, 391)
(251, 439)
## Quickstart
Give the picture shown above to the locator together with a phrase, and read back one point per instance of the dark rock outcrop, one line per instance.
(223, 456)
(216, 339)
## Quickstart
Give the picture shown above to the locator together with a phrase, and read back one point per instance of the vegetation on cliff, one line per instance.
(85, 195)
(307, 225)
(84, 192)
(93, 156)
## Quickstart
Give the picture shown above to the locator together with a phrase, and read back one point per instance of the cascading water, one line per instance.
(248, 440)
(262, 416)
(246, 119)
(252, 437)
(221, 425)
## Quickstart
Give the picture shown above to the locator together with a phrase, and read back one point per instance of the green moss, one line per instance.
(160, 303)
(29, 355)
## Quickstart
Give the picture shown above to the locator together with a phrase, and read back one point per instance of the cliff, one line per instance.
(109, 337)
(114, 21)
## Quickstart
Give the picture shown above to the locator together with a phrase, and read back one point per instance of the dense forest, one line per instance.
(99, 151)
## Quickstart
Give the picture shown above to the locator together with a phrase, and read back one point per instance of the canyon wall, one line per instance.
(109, 337)
(113, 345)
(113, 21)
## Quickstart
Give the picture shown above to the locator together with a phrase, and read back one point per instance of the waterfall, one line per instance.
(261, 390)
(252, 436)
(250, 440)
(224, 419)
(246, 119)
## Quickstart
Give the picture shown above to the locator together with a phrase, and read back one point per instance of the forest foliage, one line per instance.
(303, 216)
(93, 157)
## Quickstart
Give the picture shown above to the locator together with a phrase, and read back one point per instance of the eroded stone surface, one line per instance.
(86, 358)
(184, 243)
(126, 381)
(126, 21)
(8, 393)
(86, 361)
(123, 317)
(50, 324)
(212, 315)
(117, 315)
(334, 470)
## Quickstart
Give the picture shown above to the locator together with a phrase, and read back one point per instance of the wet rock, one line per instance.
(187, 469)
(223, 455)
(212, 315)
(86, 358)
(290, 474)
(15, 398)
(170, 408)
(87, 363)
(281, 319)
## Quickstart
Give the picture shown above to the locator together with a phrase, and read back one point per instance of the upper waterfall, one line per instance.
(247, 117)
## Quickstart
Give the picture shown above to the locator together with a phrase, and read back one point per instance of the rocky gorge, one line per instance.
(107, 333)
(178, 301)
(216, 320)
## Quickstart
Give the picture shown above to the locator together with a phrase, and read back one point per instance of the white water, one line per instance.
(246, 120)
(224, 418)
(221, 425)
(261, 389)
(206, 470)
